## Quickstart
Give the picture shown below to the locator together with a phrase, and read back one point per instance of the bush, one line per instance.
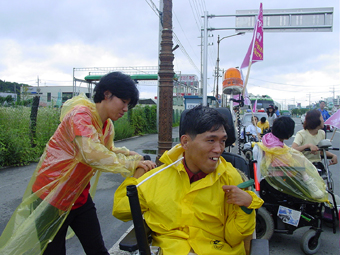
(123, 128)
(15, 136)
(15, 143)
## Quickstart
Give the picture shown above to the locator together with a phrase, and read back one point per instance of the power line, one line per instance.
(198, 23)
(185, 53)
(153, 7)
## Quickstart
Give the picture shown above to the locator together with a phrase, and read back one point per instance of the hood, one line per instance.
(172, 155)
(81, 100)
(270, 141)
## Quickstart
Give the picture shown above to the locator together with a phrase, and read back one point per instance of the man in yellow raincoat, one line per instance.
(194, 205)
(58, 194)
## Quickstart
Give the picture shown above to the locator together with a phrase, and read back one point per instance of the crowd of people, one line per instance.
(308, 138)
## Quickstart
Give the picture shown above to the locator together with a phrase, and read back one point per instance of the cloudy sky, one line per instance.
(50, 38)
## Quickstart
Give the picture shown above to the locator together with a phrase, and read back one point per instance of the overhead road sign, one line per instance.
(283, 20)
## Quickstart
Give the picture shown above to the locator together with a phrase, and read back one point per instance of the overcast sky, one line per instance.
(50, 38)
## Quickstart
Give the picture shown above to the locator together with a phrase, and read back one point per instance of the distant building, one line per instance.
(52, 95)
(291, 107)
(13, 95)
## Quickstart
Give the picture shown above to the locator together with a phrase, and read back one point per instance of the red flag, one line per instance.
(255, 50)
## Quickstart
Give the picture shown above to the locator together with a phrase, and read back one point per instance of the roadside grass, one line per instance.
(16, 139)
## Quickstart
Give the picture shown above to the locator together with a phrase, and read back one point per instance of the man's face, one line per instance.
(202, 153)
(322, 105)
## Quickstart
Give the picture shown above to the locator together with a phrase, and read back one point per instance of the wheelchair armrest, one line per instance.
(129, 242)
(259, 247)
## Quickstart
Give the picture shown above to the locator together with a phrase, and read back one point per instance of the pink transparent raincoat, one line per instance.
(81, 147)
(290, 172)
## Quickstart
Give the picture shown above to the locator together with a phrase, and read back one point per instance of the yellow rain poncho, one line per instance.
(81, 147)
(183, 215)
(290, 172)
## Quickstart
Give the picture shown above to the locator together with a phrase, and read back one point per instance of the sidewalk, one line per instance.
(146, 144)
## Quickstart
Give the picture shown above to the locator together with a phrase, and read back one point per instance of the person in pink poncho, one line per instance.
(284, 167)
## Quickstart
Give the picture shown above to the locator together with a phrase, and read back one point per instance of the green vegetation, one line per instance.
(15, 136)
(299, 112)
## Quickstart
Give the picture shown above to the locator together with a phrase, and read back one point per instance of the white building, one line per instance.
(52, 95)
(5, 94)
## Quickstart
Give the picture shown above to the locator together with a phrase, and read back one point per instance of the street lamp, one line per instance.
(218, 57)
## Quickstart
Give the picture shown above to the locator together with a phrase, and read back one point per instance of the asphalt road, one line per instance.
(13, 182)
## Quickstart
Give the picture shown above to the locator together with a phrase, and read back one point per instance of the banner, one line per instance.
(334, 120)
(255, 106)
(255, 50)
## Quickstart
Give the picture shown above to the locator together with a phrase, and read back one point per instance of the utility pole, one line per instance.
(33, 117)
(309, 100)
(166, 75)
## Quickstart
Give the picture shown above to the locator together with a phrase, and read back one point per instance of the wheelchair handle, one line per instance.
(136, 212)
(146, 157)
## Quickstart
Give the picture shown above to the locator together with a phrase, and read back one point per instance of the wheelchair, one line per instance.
(275, 216)
(138, 240)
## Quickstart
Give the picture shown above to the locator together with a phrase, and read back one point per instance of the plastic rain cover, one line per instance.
(290, 172)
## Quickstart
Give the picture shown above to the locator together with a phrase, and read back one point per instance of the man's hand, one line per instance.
(143, 167)
(334, 160)
(237, 196)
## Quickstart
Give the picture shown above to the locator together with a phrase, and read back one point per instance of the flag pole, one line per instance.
(247, 77)
(333, 134)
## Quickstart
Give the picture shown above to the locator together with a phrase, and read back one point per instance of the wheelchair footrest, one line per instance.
(129, 242)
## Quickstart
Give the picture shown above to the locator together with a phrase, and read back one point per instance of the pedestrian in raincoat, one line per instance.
(58, 194)
(195, 204)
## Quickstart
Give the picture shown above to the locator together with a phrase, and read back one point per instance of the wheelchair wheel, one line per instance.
(310, 244)
(248, 154)
(264, 224)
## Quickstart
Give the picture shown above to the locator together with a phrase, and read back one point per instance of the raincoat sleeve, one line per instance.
(122, 150)
(121, 206)
(240, 224)
(97, 150)
(96, 155)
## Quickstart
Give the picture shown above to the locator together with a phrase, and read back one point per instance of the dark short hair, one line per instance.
(263, 119)
(283, 127)
(120, 85)
(312, 119)
(201, 119)
(322, 101)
